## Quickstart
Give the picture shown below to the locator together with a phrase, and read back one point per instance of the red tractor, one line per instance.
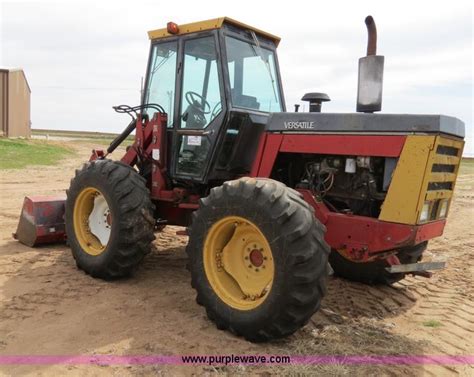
(268, 197)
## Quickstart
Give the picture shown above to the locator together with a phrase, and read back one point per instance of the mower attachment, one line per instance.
(41, 220)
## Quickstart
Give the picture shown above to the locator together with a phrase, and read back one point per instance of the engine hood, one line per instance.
(367, 123)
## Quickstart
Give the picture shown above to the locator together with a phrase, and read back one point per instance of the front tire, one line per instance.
(109, 219)
(258, 258)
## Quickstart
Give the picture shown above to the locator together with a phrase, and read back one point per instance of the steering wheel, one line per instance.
(216, 110)
(198, 102)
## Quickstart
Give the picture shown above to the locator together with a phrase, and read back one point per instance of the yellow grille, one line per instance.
(425, 176)
(440, 176)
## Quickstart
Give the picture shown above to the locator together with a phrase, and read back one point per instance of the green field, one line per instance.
(98, 137)
(467, 166)
(18, 153)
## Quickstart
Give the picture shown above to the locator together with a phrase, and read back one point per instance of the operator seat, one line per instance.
(194, 118)
(243, 100)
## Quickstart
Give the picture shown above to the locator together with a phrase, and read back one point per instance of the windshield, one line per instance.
(161, 78)
(252, 75)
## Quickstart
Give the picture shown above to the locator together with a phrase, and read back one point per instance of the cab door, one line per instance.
(200, 109)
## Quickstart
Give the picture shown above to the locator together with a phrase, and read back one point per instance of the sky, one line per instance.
(83, 57)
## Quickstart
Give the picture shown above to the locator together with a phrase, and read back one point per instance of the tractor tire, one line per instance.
(374, 273)
(258, 259)
(109, 219)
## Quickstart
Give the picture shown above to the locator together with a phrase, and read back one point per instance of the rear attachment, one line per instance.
(41, 220)
(420, 269)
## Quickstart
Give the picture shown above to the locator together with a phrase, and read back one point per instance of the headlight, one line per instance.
(443, 208)
(425, 212)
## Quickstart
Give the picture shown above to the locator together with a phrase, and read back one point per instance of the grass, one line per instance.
(94, 138)
(98, 142)
(74, 134)
(362, 337)
(18, 153)
(102, 136)
(432, 323)
(467, 165)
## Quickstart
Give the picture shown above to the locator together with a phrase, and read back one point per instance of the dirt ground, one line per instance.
(48, 307)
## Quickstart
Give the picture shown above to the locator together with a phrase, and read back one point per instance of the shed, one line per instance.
(14, 103)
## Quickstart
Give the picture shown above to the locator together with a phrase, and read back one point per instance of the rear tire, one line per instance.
(131, 222)
(373, 273)
(275, 215)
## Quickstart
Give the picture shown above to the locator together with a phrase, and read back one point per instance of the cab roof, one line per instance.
(215, 23)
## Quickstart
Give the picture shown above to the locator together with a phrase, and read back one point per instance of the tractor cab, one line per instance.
(217, 80)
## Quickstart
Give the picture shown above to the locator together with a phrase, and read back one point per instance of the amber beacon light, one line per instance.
(172, 28)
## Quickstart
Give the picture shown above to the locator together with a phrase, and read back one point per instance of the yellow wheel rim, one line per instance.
(89, 203)
(238, 262)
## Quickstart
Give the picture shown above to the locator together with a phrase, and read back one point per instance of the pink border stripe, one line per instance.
(382, 359)
(89, 360)
(177, 360)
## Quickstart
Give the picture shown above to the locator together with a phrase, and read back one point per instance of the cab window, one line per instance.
(252, 76)
(201, 99)
(160, 87)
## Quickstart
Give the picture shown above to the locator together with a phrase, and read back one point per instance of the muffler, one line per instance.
(369, 90)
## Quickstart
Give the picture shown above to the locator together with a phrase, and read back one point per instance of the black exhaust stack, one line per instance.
(369, 92)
